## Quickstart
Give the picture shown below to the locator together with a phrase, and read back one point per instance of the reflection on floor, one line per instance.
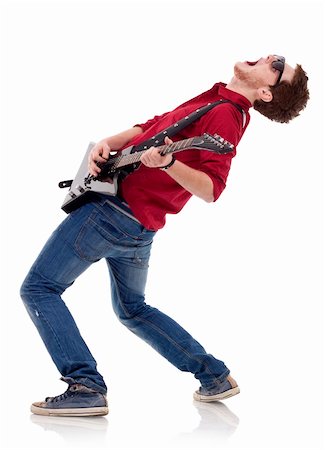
(217, 423)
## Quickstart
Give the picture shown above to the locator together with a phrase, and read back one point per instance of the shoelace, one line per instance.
(68, 393)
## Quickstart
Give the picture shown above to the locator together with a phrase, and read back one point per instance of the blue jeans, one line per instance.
(94, 231)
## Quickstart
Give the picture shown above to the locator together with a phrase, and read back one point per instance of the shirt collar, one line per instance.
(235, 97)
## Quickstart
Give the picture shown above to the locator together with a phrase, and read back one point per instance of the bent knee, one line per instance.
(37, 285)
(128, 316)
(25, 289)
(31, 285)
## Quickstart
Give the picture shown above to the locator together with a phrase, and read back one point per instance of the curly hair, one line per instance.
(288, 98)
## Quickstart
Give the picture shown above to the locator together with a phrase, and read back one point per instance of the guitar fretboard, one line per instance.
(132, 158)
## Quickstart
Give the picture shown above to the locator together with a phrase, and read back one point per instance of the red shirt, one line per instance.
(150, 192)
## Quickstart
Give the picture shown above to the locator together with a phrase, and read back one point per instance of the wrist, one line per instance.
(167, 166)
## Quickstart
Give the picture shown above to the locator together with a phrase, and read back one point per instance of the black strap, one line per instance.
(159, 139)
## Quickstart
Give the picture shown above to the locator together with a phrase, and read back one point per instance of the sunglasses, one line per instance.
(278, 65)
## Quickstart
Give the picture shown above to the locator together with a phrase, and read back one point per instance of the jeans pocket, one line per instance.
(96, 237)
(129, 227)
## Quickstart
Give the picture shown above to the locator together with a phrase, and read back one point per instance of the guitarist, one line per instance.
(121, 230)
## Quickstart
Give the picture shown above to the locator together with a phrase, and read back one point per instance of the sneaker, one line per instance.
(226, 389)
(77, 400)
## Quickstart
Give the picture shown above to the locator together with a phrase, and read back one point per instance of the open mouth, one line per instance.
(252, 63)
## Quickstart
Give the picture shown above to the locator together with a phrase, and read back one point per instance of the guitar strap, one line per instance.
(176, 127)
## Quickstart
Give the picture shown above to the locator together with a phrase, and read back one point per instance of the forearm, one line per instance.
(196, 182)
(121, 139)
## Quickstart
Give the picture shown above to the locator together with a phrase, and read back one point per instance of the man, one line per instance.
(121, 229)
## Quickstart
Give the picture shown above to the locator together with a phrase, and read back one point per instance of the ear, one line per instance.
(264, 94)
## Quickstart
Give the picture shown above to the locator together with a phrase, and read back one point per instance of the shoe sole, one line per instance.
(70, 412)
(217, 397)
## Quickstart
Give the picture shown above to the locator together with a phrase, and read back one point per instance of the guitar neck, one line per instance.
(125, 160)
(214, 143)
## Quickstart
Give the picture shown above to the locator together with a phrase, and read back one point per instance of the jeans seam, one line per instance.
(177, 345)
(159, 330)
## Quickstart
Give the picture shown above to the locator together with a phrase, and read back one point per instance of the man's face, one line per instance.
(261, 73)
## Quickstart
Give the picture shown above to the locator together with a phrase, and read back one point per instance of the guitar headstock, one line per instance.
(213, 143)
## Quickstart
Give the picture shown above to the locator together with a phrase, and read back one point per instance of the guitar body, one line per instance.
(84, 186)
(81, 192)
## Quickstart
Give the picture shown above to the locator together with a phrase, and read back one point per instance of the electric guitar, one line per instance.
(84, 185)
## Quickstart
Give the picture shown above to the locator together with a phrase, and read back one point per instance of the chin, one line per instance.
(240, 70)
(239, 64)
(244, 74)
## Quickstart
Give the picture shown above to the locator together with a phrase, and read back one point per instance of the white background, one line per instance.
(243, 275)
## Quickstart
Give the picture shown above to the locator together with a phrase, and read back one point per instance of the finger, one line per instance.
(93, 173)
(94, 155)
(99, 158)
(100, 153)
(144, 159)
(94, 169)
(154, 153)
(168, 141)
(105, 151)
(147, 160)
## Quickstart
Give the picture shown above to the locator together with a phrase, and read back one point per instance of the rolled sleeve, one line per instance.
(224, 121)
(217, 168)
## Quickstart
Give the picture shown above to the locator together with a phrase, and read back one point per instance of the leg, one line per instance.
(128, 279)
(56, 268)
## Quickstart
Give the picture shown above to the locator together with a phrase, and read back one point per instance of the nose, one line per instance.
(270, 58)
